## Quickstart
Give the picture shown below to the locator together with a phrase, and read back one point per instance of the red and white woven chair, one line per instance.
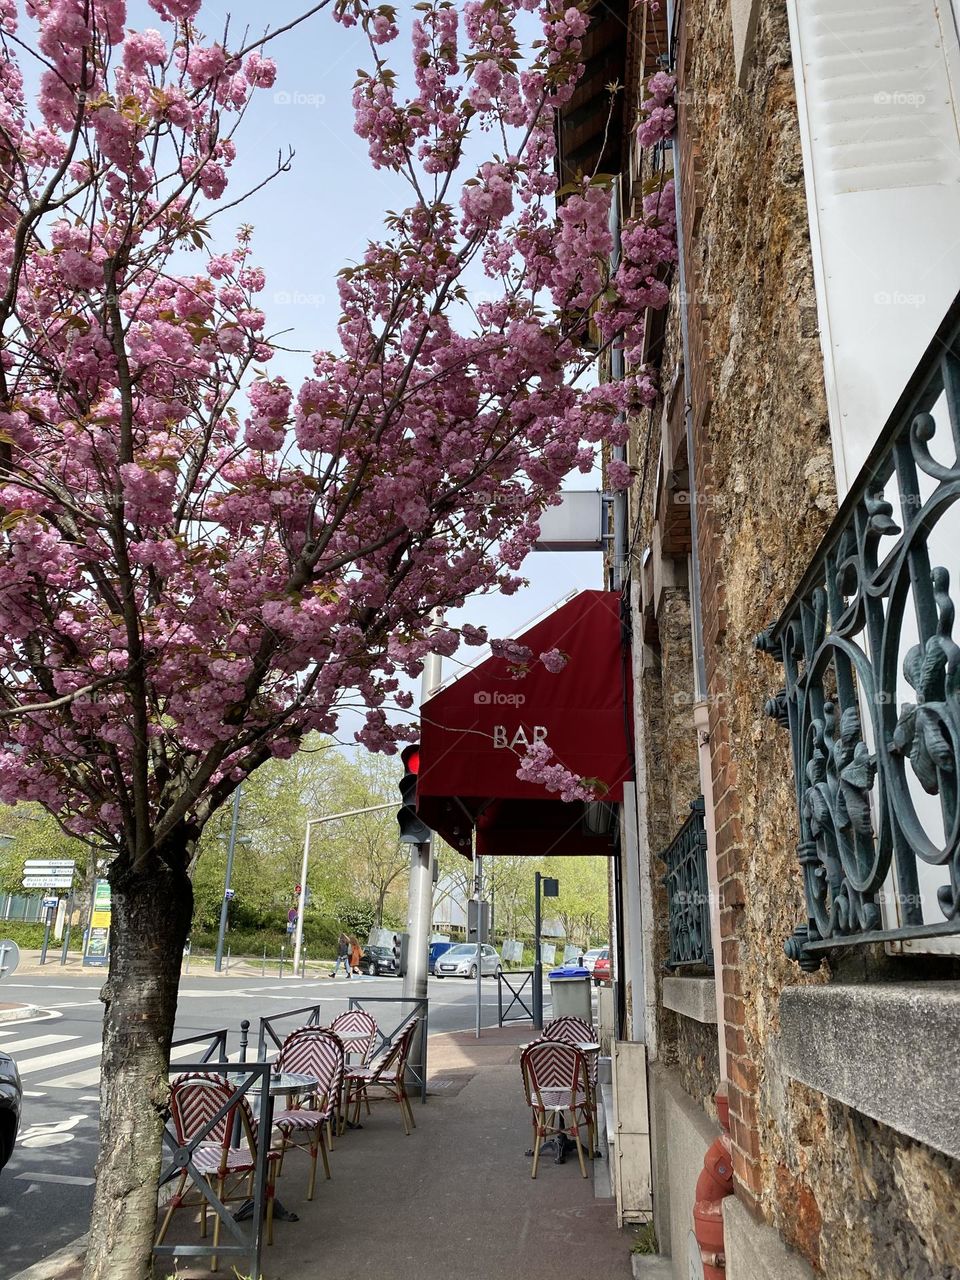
(316, 1052)
(195, 1099)
(387, 1073)
(358, 1030)
(558, 1094)
(575, 1031)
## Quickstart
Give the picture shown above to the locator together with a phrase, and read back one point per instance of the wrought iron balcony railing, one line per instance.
(872, 684)
(688, 893)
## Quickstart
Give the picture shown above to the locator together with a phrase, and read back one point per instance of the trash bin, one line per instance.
(570, 993)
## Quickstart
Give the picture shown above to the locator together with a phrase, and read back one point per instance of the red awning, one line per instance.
(474, 733)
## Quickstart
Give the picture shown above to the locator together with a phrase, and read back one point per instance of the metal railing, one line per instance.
(236, 1241)
(516, 996)
(215, 1041)
(876, 753)
(419, 1008)
(688, 893)
(269, 1039)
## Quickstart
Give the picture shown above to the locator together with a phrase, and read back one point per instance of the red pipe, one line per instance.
(713, 1186)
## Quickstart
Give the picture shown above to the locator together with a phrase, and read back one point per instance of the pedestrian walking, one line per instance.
(355, 953)
(343, 955)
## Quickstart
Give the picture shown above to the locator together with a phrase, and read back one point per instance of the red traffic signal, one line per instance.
(298, 891)
(410, 758)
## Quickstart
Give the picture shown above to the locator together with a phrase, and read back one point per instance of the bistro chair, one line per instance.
(358, 1030)
(575, 1031)
(316, 1052)
(195, 1099)
(556, 1085)
(388, 1073)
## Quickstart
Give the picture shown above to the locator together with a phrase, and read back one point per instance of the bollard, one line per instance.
(242, 1057)
(263, 965)
(187, 966)
(283, 951)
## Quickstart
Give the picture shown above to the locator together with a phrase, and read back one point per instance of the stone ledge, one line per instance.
(756, 1252)
(694, 998)
(867, 1045)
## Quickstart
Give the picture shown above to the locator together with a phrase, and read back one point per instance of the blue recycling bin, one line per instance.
(570, 993)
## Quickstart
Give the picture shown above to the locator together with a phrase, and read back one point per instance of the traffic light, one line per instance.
(412, 830)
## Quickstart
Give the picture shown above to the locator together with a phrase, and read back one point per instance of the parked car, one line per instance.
(601, 967)
(10, 1102)
(591, 957)
(437, 949)
(461, 962)
(378, 961)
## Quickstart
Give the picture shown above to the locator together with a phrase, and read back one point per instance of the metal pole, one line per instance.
(478, 893)
(301, 901)
(420, 893)
(225, 904)
(537, 960)
(263, 964)
(283, 951)
(48, 912)
(66, 932)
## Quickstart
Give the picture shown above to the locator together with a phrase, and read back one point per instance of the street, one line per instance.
(47, 1188)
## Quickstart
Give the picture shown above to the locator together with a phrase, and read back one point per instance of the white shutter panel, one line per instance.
(877, 93)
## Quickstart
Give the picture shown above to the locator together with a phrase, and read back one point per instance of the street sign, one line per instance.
(49, 864)
(229, 894)
(9, 957)
(51, 902)
(291, 926)
(46, 882)
(292, 916)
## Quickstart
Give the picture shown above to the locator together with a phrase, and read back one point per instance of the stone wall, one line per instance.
(854, 1198)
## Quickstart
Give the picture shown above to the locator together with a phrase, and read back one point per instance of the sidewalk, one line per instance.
(454, 1201)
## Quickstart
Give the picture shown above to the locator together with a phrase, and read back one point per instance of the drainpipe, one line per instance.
(701, 714)
(716, 1179)
(713, 1186)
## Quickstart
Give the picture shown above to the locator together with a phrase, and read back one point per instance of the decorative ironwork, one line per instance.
(872, 604)
(688, 892)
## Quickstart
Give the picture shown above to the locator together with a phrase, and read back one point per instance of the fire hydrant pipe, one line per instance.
(713, 1186)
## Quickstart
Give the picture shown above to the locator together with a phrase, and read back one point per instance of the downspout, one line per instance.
(701, 710)
(715, 1182)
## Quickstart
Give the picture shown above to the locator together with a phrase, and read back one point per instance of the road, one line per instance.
(47, 1188)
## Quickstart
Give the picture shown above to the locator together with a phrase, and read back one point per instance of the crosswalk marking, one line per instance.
(83, 1079)
(34, 1042)
(29, 1066)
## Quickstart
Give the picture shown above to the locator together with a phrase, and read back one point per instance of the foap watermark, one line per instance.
(297, 98)
(897, 298)
(484, 698)
(296, 298)
(899, 98)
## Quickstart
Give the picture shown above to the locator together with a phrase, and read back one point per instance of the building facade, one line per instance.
(788, 891)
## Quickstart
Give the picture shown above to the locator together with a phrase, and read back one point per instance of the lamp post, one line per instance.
(225, 904)
(305, 866)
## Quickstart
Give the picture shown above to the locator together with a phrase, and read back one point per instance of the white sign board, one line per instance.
(49, 864)
(46, 882)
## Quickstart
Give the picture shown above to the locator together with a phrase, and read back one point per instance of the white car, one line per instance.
(591, 957)
(461, 962)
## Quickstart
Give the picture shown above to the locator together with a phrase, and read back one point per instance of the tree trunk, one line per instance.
(151, 914)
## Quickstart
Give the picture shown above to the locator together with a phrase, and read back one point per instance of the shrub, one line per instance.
(30, 936)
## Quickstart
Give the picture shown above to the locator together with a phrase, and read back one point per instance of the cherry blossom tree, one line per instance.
(202, 563)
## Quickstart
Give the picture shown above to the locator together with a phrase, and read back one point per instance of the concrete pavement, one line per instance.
(454, 1201)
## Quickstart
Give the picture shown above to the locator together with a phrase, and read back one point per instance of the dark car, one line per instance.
(10, 1098)
(378, 961)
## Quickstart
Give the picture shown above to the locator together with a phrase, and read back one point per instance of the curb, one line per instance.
(22, 1013)
(57, 1264)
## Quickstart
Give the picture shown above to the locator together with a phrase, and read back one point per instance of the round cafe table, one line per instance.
(282, 1085)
